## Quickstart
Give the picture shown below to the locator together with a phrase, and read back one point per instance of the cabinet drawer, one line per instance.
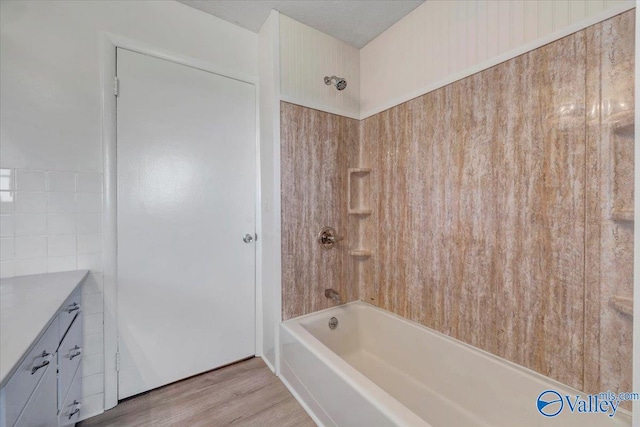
(70, 411)
(41, 409)
(68, 312)
(69, 358)
(23, 382)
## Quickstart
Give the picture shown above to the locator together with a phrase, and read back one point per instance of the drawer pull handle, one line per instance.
(75, 351)
(74, 307)
(76, 409)
(44, 362)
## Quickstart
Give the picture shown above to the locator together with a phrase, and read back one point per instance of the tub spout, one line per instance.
(333, 294)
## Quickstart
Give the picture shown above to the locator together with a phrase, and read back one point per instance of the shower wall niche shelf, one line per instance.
(622, 304)
(360, 212)
(358, 191)
(360, 253)
(626, 130)
(622, 145)
(622, 216)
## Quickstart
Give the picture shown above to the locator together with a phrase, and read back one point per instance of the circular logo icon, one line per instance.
(550, 403)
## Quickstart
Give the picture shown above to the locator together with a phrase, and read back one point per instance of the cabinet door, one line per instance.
(29, 374)
(42, 407)
(70, 411)
(69, 358)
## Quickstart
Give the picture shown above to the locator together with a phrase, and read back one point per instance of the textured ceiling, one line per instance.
(353, 22)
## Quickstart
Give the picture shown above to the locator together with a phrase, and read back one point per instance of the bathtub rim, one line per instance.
(365, 386)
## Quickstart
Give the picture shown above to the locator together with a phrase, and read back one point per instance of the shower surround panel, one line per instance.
(492, 205)
(314, 161)
(610, 192)
(492, 208)
(480, 197)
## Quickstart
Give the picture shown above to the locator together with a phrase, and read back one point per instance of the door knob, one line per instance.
(248, 238)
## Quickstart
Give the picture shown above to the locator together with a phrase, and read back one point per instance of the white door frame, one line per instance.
(108, 44)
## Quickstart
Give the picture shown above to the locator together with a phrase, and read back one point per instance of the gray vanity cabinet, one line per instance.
(46, 388)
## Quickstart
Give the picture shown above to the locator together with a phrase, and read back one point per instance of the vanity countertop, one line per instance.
(28, 304)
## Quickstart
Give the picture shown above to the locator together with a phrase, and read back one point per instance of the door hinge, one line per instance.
(118, 362)
(116, 86)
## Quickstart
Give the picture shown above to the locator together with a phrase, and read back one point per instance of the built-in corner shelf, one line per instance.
(622, 304)
(358, 191)
(360, 211)
(360, 171)
(627, 130)
(360, 253)
(622, 216)
(359, 205)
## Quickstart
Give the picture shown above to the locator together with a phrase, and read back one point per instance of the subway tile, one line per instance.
(61, 245)
(92, 304)
(92, 262)
(7, 179)
(91, 406)
(31, 202)
(7, 202)
(62, 202)
(30, 225)
(93, 324)
(89, 243)
(92, 384)
(89, 202)
(7, 269)
(89, 223)
(61, 181)
(93, 344)
(89, 182)
(58, 224)
(30, 180)
(61, 263)
(30, 266)
(93, 284)
(7, 248)
(30, 247)
(92, 364)
(7, 225)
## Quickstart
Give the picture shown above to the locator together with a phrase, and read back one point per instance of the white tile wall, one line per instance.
(52, 221)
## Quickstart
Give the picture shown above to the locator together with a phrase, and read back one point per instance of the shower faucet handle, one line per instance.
(328, 237)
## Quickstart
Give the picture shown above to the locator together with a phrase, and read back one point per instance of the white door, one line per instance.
(186, 166)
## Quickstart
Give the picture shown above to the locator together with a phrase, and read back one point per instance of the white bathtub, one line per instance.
(377, 369)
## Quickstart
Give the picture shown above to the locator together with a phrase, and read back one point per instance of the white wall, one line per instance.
(442, 41)
(269, 67)
(306, 56)
(51, 120)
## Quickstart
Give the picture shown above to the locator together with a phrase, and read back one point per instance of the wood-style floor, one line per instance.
(244, 394)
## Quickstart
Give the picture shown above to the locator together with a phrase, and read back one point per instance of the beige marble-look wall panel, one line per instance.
(480, 190)
(314, 160)
(609, 238)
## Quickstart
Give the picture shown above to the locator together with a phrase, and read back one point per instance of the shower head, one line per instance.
(340, 83)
